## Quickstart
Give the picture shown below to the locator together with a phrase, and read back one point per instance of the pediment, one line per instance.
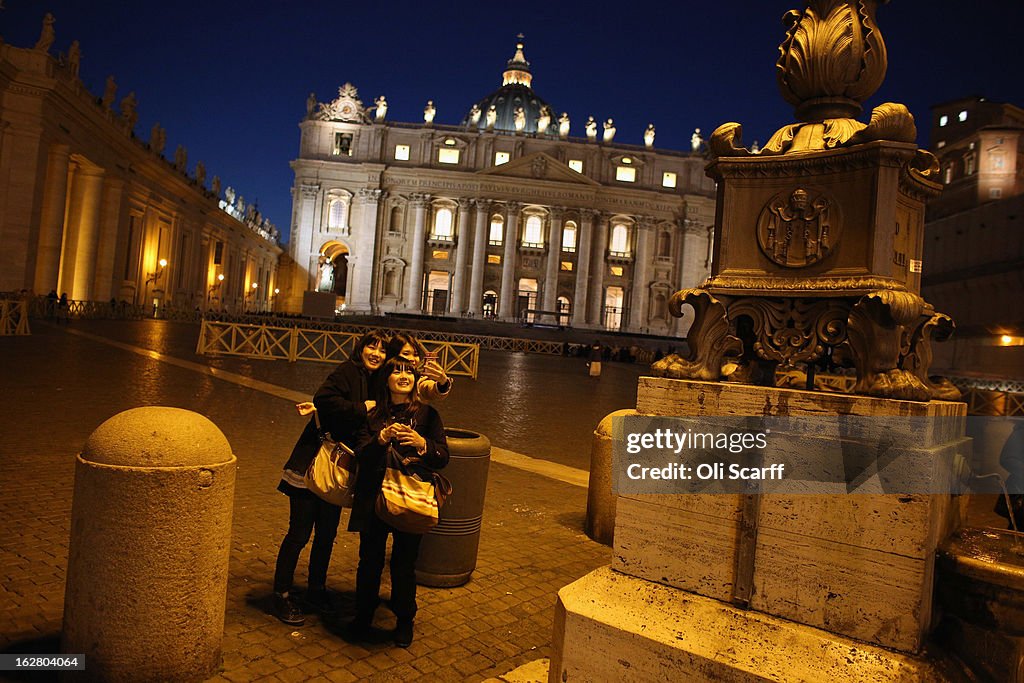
(539, 166)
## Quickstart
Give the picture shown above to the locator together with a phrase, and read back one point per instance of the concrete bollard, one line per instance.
(150, 541)
(600, 523)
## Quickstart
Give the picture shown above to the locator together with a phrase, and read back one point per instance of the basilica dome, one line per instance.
(514, 94)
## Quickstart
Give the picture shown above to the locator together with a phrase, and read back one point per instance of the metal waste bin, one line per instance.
(448, 553)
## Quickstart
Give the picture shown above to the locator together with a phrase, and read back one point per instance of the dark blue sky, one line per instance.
(229, 79)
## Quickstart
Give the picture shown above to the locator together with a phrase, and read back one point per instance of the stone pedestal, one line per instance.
(828, 581)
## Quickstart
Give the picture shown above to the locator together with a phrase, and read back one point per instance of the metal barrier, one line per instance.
(325, 346)
(13, 318)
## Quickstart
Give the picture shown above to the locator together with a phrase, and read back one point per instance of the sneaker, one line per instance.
(403, 633)
(319, 599)
(285, 609)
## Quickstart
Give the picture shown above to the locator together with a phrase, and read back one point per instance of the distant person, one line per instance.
(64, 309)
(52, 301)
(342, 403)
(596, 356)
(1012, 460)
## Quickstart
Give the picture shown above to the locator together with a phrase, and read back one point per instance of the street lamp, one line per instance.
(273, 300)
(153, 278)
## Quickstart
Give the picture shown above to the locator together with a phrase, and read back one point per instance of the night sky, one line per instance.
(229, 79)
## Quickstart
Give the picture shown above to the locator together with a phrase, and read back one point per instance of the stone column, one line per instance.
(641, 276)
(579, 303)
(302, 245)
(110, 222)
(508, 263)
(51, 221)
(597, 271)
(83, 232)
(414, 286)
(456, 304)
(554, 253)
(360, 263)
(476, 282)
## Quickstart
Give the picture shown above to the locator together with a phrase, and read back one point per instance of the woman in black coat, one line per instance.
(341, 404)
(414, 430)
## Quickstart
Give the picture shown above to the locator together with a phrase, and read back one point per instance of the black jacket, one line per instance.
(371, 456)
(341, 405)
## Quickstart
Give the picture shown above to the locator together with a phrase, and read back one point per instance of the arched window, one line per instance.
(442, 224)
(564, 310)
(532, 235)
(395, 224)
(497, 229)
(664, 244)
(569, 236)
(620, 239)
(336, 214)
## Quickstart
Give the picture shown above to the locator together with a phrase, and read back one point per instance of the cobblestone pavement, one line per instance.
(56, 388)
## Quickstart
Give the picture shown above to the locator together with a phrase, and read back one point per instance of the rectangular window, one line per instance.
(218, 253)
(617, 271)
(626, 174)
(668, 179)
(343, 144)
(447, 155)
(402, 152)
(494, 258)
(128, 252)
(501, 158)
(940, 144)
(943, 120)
(962, 116)
(567, 266)
(576, 165)
(995, 193)
(441, 254)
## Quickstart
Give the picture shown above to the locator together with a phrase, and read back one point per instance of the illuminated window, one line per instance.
(620, 239)
(969, 162)
(948, 175)
(576, 165)
(668, 179)
(494, 258)
(342, 144)
(943, 120)
(566, 265)
(442, 224)
(501, 158)
(627, 160)
(532, 234)
(402, 152)
(997, 161)
(626, 174)
(497, 232)
(441, 254)
(449, 142)
(336, 215)
(962, 116)
(940, 144)
(447, 155)
(995, 193)
(617, 270)
(569, 236)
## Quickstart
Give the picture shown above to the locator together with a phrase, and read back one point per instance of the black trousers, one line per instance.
(308, 516)
(405, 548)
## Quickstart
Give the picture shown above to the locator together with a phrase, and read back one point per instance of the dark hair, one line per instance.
(382, 393)
(398, 342)
(364, 341)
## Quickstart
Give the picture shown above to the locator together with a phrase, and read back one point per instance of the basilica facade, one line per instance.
(504, 216)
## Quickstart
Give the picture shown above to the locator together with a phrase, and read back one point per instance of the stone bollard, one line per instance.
(150, 540)
(600, 524)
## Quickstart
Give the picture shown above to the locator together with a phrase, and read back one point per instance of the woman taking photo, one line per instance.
(415, 432)
(341, 404)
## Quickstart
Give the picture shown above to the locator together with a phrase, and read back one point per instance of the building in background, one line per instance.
(505, 216)
(89, 209)
(973, 266)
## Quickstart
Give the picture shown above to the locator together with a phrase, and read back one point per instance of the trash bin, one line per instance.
(448, 553)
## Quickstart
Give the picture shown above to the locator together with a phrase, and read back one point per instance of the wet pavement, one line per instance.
(57, 386)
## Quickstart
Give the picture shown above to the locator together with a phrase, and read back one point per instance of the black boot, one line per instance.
(403, 633)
